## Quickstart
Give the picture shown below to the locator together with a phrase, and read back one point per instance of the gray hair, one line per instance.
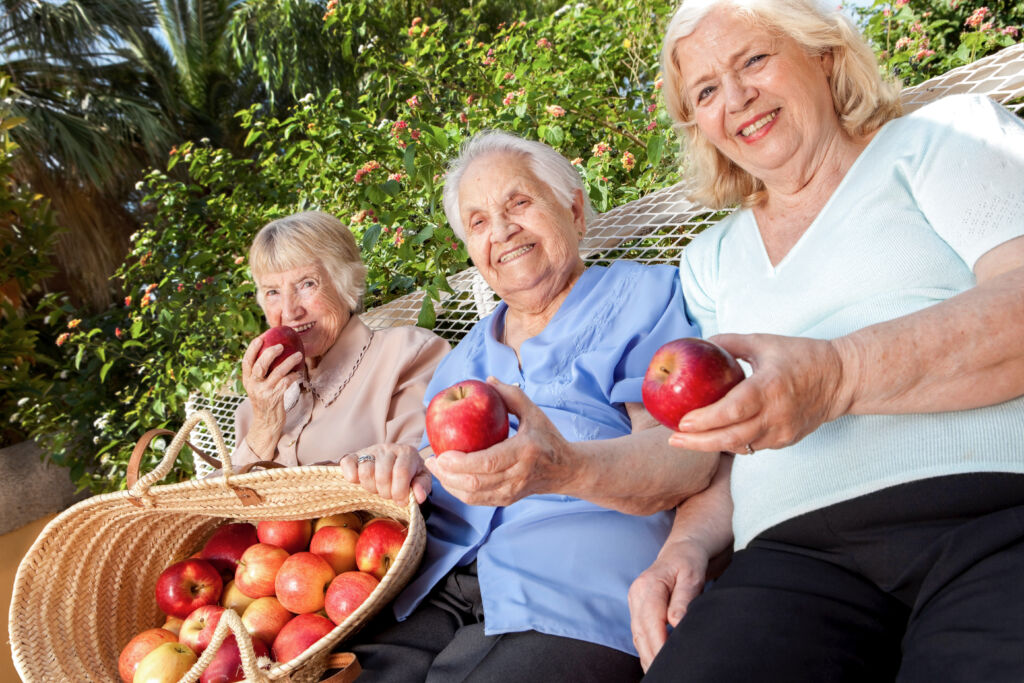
(550, 167)
(311, 237)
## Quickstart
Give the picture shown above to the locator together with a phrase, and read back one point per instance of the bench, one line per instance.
(652, 229)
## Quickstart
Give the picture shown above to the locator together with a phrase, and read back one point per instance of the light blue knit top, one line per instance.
(931, 193)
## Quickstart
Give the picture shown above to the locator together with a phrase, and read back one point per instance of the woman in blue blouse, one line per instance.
(532, 543)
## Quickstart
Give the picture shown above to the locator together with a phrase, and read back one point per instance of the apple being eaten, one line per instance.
(378, 546)
(686, 374)
(467, 416)
(187, 585)
(286, 337)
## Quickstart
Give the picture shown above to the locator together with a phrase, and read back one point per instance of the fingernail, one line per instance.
(685, 426)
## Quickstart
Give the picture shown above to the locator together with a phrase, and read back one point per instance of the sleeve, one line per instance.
(661, 319)
(406, 413)
(968, 182)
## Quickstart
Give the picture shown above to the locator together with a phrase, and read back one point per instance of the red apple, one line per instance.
(467, 416)
(226, 665)
(198, 627)
(234, 598)
(285, 336)
(258, 568)
(686, 374)
(226, 546)
(138, 647)
(346, 519)
(186, 585)
(347, 592)
(302, 582)
(173, 624)
(298, 634)
(265, 618)
(378, 546)
(337, 545)
(292, 535)
(167, 663)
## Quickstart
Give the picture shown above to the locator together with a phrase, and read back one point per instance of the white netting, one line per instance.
(655, 228)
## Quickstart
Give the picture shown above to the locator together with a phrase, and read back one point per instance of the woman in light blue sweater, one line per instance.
(874, 282)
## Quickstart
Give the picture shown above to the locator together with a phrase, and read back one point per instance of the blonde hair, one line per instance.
(863, 101)
(311, 237)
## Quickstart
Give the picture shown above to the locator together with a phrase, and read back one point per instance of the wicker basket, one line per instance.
(86, 585)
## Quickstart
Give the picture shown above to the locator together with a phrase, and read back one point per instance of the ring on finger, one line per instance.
(365, 457)
(750, 449)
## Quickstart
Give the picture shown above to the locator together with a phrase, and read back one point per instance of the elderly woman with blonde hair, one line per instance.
(355, 395)
(873, 279)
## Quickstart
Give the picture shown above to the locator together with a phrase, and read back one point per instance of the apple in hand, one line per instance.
(686, 374)
(347, 592)
(138, 647)
(265, 618)
(292, 535)
(378, 546)
(226, 665)
(198, 627)
(167, 663)
(226, 546)
(258, 568)
(302, 582)
(337, 545)
(286, 337)
(298, 634)
(346, 519)
(467, 416)
(186, 585)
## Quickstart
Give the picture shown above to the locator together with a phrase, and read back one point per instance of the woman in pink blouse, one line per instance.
(355, 391)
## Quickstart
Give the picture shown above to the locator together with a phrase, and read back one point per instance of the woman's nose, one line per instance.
(292, 307)
(738, 93)
(503, 228)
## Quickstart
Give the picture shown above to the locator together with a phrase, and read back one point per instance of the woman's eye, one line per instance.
(307, 284)
(705, 93)
(755, 59)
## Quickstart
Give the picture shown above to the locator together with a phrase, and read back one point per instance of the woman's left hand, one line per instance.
(535, 460)
(795, 387)
(393, 471)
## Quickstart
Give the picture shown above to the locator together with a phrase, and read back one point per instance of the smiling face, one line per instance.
(304, 299)
(757, 97)
(524, 242)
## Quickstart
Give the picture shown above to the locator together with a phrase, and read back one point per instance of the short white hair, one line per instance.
(550, 167)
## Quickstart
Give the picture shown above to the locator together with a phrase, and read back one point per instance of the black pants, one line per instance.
(443, 641)
(917, 583)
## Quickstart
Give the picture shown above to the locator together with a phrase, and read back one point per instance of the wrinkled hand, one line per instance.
(395, 470)
(794, 388)
(536, 460)
(660, 595)
(266, 391)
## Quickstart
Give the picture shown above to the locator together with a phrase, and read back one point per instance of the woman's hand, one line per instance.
(393, 471)
(535, 460)
(795, 388)
(659, 597)
(266, 393)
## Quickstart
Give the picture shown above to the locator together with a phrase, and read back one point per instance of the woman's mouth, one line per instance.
(304, 327)
(760, 123)
(515, 253)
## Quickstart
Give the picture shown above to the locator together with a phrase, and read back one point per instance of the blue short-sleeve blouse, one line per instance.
(553, 563)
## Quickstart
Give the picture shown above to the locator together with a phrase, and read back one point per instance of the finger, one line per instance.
(286, 367)
(739, 404)
(732, 439)
(384, 473)
(347, 463)
(680, 600)
(402, 476)
(251, 353)
(648, 618)
(743, 346)
(421, 485)
(516, 400)
(366, 475)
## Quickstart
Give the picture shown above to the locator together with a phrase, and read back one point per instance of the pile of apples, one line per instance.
(291, 582)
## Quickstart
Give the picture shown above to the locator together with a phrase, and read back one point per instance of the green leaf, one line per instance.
(427, 317)
(409, 161)
(370, 237)
(655, 146)
(105, 369)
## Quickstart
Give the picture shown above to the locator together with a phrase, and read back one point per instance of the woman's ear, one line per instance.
(579, 219)
(828, 63)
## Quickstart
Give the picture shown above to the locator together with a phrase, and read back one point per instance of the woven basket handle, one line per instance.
(142, 444)
(230, 624)
(141, 485)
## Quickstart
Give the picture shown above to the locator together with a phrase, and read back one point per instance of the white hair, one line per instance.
(550, 167)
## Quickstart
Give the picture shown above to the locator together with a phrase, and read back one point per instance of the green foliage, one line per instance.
(27, 232)
(583, 80)
(919, 39)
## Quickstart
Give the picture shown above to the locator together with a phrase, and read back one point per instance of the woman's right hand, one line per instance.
(266, 392)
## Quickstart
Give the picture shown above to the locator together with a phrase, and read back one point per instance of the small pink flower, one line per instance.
(72, 324)
(601, 148)
(507, 100)
(399, 240)
(239, 260)
(578, 161)
(652, 125)
(977, 17)
(127, 301)
(62, 337)
(544, 43)
(470, 99)
(921, 54)
(359, 217)
(904, 42)
(416, 21)
(658, 83)
(628, 161)
(901, 3)
(150, 287)
(399, 125)
(1011, 31)
(414, 134)
(555, 110)
(651, 108)
(887, 13)
(487, 61)
(118, 332)
(181, 286)
(462, 117)
(509, 75)
(397, 177)
(413, 102)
